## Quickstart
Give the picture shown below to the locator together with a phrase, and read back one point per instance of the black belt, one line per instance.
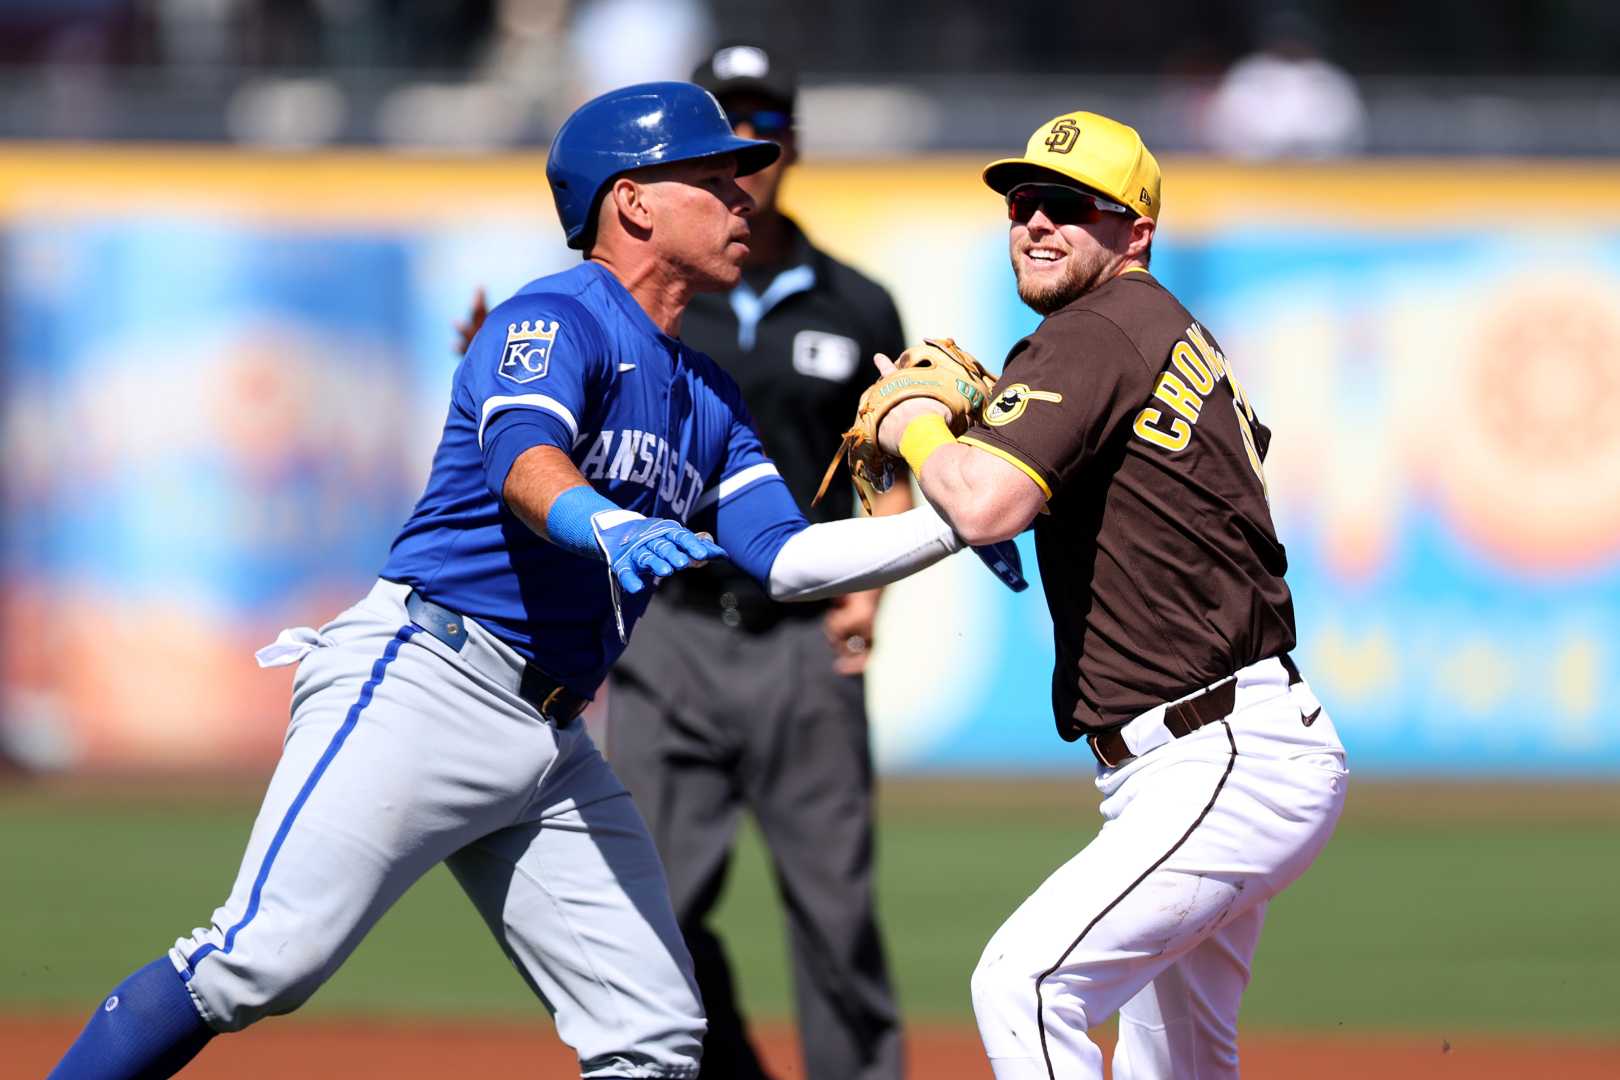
(555, 701)
(1182, 718)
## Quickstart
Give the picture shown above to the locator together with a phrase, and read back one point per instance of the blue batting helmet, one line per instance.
(625, 129)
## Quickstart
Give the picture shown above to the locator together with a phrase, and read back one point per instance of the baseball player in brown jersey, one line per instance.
(1121, 431)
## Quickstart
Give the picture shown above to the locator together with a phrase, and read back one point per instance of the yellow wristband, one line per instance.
(922, 437)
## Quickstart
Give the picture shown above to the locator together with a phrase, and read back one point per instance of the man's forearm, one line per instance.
(969, 496)
(861, 553)
(537, 477)
(985, 498)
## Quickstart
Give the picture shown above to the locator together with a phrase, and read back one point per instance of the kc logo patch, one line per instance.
(1062, 136)
(528, 350)
(1011, 403)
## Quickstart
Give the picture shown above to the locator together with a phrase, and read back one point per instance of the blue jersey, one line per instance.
(572, 361)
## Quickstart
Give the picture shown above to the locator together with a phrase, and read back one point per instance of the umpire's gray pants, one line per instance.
(703, 720)
(403, 753)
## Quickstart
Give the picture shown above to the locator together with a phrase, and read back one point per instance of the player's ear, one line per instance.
(627, 200)
(1141, 240)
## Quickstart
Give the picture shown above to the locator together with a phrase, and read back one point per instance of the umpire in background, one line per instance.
(726, 700)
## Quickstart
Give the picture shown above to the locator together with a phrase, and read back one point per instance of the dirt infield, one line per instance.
(319, 1048)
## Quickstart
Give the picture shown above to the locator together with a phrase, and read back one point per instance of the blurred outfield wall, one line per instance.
(224, 376)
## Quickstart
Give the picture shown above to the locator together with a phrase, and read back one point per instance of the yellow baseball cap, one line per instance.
(1100, 153)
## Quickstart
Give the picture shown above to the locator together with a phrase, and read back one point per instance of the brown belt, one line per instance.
(1182, 718)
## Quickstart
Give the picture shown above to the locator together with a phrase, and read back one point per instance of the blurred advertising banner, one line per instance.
(224, 376)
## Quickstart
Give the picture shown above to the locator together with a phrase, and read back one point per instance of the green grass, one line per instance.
(1499, 927)
(1435, 907)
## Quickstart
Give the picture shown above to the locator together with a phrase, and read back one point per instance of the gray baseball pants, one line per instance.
(404, 753)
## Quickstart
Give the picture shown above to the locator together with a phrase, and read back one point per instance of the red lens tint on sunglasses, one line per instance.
(1063, 205)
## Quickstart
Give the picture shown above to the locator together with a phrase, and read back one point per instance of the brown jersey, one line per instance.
(1159, 558)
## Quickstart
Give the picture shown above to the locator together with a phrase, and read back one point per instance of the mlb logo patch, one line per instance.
(528, 350)
(825, 356)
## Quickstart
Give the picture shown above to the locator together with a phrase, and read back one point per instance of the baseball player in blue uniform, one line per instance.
(586, 454)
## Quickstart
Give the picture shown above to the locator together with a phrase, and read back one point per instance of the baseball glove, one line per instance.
(937, 369)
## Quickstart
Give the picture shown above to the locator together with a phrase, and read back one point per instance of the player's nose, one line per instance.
(1040, 224)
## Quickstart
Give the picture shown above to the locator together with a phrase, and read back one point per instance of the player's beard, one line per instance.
(1079, 277)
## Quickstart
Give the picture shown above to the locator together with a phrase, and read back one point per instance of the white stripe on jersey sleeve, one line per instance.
(735, 483)
(527, 401)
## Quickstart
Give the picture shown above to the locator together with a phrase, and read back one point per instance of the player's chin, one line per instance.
(731, 263)
(1046, 293)
(721, 275)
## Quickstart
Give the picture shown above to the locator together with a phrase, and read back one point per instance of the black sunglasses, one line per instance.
(1064, 205)
(765, 122)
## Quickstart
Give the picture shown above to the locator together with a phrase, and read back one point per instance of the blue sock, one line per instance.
(146, 1029)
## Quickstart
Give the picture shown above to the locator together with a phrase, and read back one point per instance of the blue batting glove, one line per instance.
(641, 549)
(646, 549)
(1004, 562)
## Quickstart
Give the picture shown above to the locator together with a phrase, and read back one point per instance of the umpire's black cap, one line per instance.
(740, 68)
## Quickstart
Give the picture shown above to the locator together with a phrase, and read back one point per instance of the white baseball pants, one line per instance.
(1158, 917)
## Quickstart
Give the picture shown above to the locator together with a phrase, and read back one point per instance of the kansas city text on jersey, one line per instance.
(642, 457)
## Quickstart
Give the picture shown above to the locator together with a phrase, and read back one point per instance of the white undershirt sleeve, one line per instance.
(862, 553)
